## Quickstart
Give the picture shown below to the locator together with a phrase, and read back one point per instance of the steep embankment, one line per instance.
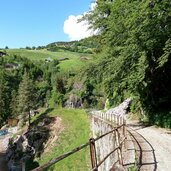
(76, 131)
(52, 133)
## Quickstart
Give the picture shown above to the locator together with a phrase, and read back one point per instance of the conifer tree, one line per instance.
(3, 97)
(7, 84)
(13, 104)
(26, 98)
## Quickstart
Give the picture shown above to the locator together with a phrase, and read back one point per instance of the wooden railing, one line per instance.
(119, 130)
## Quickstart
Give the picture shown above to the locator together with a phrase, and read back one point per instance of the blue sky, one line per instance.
(38, 22)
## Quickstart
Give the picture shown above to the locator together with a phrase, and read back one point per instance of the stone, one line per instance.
(121, 109)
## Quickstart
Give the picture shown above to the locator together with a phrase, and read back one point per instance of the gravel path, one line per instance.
(153, 147)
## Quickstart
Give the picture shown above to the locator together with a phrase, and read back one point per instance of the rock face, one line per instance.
(108, 143)
(121, 109)
(73, 102)
(23, 148)
(32, 143)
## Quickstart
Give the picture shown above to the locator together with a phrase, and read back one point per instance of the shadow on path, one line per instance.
(145, 153)
(138, 125)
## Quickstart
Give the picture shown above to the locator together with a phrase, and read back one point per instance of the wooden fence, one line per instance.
(119, 130)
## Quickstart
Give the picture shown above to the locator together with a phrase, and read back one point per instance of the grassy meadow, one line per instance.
(73, 62)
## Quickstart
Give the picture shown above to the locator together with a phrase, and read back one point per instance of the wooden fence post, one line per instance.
(93, 154)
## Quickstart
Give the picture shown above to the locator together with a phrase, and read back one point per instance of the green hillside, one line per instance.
(68, 60)
(87, 45)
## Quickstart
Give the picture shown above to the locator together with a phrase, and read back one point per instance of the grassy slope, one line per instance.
(74, 61)
(76, 132)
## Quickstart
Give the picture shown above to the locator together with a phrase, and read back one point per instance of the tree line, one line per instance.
(28, 87)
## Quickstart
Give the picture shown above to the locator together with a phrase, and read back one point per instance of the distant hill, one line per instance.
(68, 60)
(72, 55)
(87, 45)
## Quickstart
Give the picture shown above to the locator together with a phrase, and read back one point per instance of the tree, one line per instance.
(135, 58)
(3, 97)
(26, 98)
(14, 104)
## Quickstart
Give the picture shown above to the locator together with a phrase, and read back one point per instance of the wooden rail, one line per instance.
(121, 124)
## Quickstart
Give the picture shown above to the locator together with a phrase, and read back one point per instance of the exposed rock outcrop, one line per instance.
(32, 143)
(121, 109)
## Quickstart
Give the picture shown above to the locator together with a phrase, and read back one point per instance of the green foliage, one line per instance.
(87, 45)
(166, 55)
(133, 168)
(135, 57)
(4, 112)
(13, 104)
(56, 100)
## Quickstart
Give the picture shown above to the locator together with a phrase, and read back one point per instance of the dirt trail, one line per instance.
(3, 163)
(153, 147)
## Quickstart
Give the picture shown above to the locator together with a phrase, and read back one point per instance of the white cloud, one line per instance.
(93, 5)
(77, 30)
